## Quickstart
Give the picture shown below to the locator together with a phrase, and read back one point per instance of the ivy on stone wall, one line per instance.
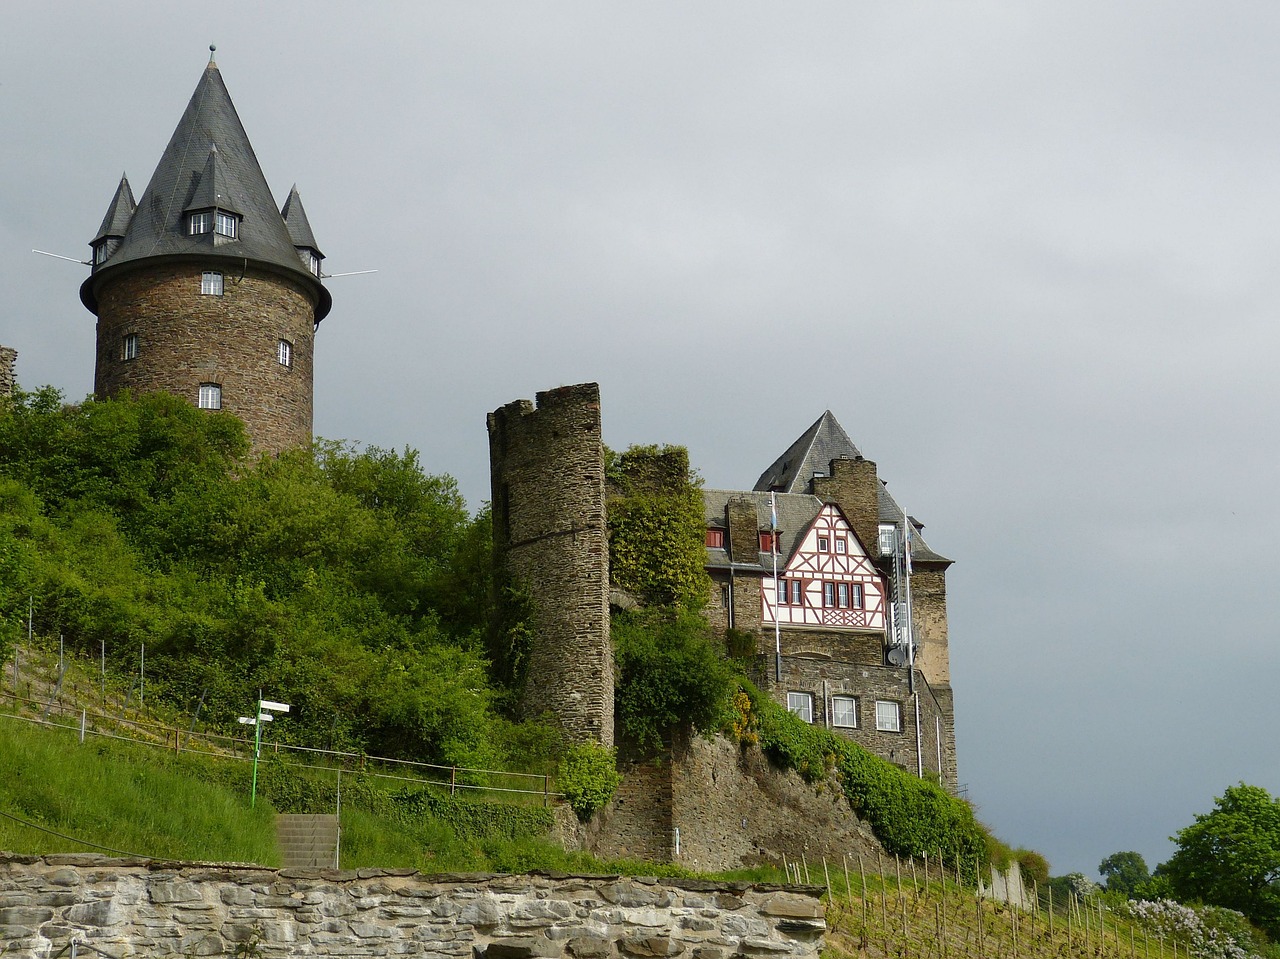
(588, 777)
(656, 527)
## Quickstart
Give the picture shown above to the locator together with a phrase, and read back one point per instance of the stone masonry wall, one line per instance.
(140, 908)
(186, 338)
(823, 678)
(714, 805)
(546, 468)
(8, 364)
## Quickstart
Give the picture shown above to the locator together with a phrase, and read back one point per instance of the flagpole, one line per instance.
(777, 625)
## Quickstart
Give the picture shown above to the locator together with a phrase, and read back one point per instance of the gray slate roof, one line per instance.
(812, 453)
(795, 512)
(295, 219)
(119, 212)
(208, 162)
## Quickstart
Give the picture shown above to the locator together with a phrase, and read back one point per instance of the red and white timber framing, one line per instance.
(828, 582)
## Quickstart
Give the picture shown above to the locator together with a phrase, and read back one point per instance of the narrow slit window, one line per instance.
(284, 353)
(129, 346)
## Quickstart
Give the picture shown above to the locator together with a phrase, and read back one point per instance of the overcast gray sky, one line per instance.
(1023, 251)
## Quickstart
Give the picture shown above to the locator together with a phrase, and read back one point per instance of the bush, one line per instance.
(588, 778)
(671, 676)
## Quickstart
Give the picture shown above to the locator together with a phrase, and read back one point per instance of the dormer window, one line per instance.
(213, 221)
(313, 262)
(100, 253)
(715, 538)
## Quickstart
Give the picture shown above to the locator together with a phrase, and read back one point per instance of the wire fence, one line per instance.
(112, 721)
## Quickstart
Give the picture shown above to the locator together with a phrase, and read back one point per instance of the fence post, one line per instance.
(453, 779)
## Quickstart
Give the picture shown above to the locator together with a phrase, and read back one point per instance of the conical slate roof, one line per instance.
(208, 163)
(119, 212)
(295, 218)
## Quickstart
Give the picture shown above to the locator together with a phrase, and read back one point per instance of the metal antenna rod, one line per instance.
(61, 257)
(329, 276)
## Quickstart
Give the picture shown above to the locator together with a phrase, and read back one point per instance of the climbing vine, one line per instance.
(656, 527)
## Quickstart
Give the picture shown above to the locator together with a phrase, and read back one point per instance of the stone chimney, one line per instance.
(744, 530)
(853, 486)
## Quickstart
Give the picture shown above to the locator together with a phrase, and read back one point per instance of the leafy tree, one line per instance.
(1231, 857)
(671, 676)
(1124, 873)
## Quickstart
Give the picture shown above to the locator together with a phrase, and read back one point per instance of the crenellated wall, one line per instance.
(145, 908)
(551, 543)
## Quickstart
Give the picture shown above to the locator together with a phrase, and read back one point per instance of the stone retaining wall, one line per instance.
(129, 908)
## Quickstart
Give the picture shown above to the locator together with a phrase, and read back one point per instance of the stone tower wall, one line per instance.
(551, 542)
(8, 363)
(186, 338)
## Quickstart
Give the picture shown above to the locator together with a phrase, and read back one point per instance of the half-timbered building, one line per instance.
(843, 598)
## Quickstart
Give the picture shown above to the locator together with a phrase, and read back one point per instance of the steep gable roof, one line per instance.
(119, 212)
(208, 162)
(813, 452)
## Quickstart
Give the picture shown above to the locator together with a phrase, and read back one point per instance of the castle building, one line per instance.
(203, 288)
(844, 599)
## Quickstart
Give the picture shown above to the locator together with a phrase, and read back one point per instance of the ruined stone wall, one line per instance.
(186, 338)
(546, 466)
(715, 805)
(142, 908)
(8, 374)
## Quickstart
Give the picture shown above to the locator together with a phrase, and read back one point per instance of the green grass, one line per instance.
(126, 797)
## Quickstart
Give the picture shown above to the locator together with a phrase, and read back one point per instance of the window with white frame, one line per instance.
(226, 224)
(801, 704)
(888, 716)
(782, 592)
(313, 262)
(100, 253)
(844, 712)
(199, 223)
(842, 545)
(824, 544)
(129, 346)
(888, 540)
(284, 353)
(797, 592)
(842, 595)
(211, 284)
(857, 600)
(210, 396)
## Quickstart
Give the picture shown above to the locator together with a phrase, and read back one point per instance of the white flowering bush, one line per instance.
(1203, 939)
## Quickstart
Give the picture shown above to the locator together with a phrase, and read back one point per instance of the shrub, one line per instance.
(588, 778)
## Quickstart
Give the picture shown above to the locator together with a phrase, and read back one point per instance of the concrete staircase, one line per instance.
(307, 842)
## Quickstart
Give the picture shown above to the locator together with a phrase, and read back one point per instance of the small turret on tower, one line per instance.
(203, 287)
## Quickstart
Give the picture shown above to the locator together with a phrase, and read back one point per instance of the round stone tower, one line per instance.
(203, 288)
